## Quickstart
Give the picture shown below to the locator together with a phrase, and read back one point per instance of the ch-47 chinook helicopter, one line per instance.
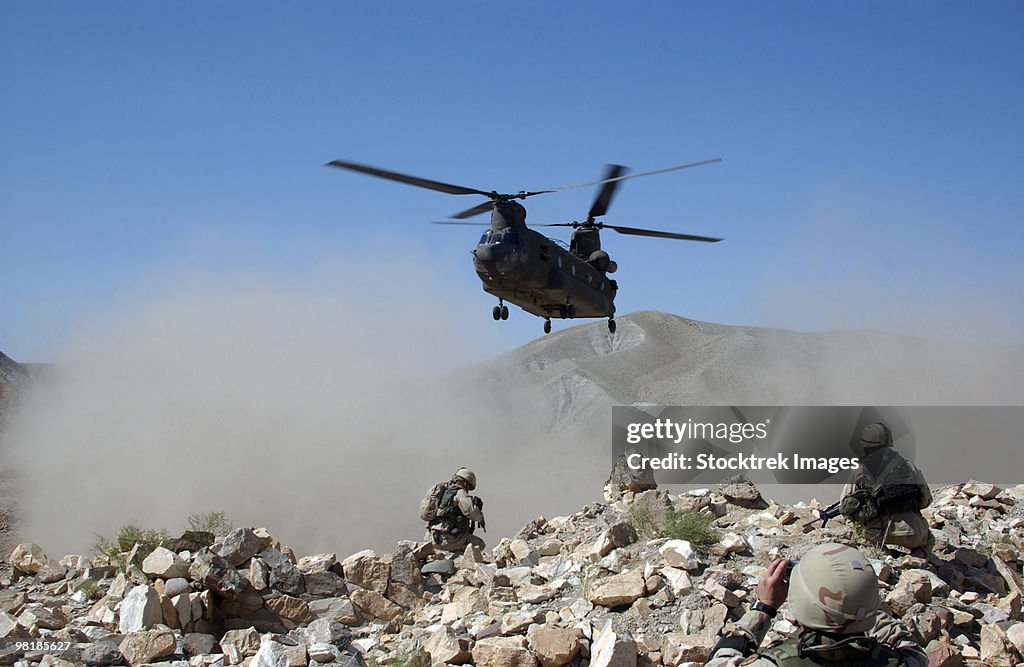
(543, 276)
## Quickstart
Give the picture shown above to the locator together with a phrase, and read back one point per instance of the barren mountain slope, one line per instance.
(665, 359)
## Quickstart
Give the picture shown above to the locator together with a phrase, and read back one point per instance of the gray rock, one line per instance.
(176, 586)
(198, 643)
(622, 534)
(239, 546)
(624, 478)
(405, 567)
(272, 654)
(338, 609)
(216, 574)
(325, 584)
(326, 631)
(101, 654)
(442, 566)
(739, 490)
(284, 575)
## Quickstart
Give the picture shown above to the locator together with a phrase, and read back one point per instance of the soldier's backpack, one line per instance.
(860, 651)
(437, 504)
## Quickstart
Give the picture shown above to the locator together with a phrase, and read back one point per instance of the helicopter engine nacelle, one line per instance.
(600, 260)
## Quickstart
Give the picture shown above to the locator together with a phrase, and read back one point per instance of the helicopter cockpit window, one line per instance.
(511, 237)
(485, 237)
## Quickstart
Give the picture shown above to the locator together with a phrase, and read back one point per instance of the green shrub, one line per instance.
(643, 520)
(127, 537)
(689, 525)
(217, 523)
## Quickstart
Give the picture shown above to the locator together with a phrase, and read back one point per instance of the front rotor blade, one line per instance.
(456, 222)
(663, 235)
(476, 210)
(405, 178)
(604, 197)
(646, 173)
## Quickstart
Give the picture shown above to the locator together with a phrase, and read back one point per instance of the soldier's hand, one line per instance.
(772, 589)
(478, 502)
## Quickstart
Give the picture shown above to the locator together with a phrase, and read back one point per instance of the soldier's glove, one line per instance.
(478, 502)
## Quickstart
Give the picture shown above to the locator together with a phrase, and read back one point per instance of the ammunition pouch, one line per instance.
(859, 506)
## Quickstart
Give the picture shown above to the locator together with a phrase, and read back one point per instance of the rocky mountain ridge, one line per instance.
(591, 589)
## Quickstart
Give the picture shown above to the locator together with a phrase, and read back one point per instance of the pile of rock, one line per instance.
(585, 589)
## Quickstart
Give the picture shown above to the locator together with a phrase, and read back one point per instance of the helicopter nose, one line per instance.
(485, 253)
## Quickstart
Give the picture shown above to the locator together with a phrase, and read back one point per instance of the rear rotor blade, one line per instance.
(645, 173)
(658, 234)
(476, 210)
(405, 178)
(604, 197)
(457, 222)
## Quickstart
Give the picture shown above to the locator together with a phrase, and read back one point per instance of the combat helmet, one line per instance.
(468, 475)
(834, 588)
(876, 435)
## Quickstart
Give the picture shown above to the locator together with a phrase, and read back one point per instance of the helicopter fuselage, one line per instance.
(541, 276)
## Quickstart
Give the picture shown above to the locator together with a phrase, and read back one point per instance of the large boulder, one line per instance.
(612, 649)
(553, 646)
(338, 609)
(445, 648)
(680, 553)
(366, 570)
(140, 648)
(140, 610)
(239, 546)
(625, 479)
(739, 490)
(238, 645)
(215, 573)
(677, 648)
(165, 564)
(503, 652)
(374, 605)
(618, 590)
(284, 575)
(28, 558)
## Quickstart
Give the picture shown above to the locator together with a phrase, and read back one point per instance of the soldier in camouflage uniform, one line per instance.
(833, 594)
(886, 496)
(459, 513)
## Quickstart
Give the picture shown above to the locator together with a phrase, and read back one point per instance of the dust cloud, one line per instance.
(316, 407)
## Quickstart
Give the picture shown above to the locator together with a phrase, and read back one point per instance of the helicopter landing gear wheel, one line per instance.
(611, 325)
(547, 326)
(570, 310)
(504, 312)
(496, 313)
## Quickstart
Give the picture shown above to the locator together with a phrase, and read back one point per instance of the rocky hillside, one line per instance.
(663, 359)
(14, 379)
(598, 587)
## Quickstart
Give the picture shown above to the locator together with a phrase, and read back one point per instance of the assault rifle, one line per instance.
(479, 504)
(830, 512)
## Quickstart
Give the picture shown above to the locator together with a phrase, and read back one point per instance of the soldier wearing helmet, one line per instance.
(458, 514)
(886, 495)
(833, 595)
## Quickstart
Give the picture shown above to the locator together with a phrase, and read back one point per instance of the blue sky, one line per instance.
(871, 172)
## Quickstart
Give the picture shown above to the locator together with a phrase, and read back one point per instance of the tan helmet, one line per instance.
(467, 475)
(834, 588)
(876, 435)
